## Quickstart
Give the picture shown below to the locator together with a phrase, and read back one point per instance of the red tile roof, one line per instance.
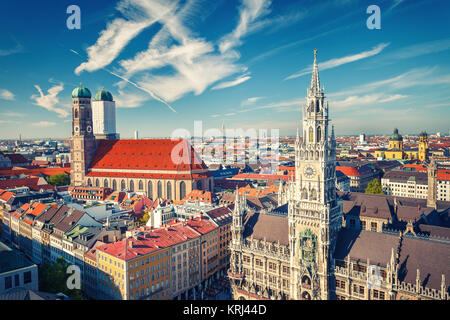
(34, 172)
(32, 183)
(348, 171)
(197, 195)
(145, 154)
(7, 195)
(16, 158)
(443, 174)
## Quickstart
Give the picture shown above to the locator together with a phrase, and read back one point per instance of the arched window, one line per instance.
(311, 135)
(105, 183)
(210, 186)
(313, 194)
(319, 134)
(199, 185)
(97, 183)
(114, 185)
(150, 190)
(89, 183)
(122, 185)
(182, 190)
(76, 114)
(131, 185)
(159, 189)
(169, 190)
(304, 194)
(141, 185)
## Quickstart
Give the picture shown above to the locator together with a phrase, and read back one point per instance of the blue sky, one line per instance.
(244, 62)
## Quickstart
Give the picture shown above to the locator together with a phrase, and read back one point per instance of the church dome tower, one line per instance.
(82, 142)
(104, 116)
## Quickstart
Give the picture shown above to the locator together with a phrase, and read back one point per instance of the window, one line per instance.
(131, 185)
(169, 190)
(159, 189)
(182, 189)
(141, 185)
(363, 224)
(16, 280)
(272, 266)
(8, 283)
(373, 226)
(150, 190)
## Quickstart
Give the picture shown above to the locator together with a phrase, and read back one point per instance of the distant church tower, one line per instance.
(432, 184)
(104, 116)
(423, 147)
(82, 142)
(314, 213)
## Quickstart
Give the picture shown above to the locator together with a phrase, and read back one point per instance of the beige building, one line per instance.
(304, 250)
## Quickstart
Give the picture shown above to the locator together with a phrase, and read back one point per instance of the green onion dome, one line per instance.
(103, 95)
(81, 92)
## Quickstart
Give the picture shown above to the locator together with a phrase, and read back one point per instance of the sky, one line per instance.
(246, 63)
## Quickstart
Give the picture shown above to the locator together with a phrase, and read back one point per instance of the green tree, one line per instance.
(374, 187)
(144, 218)
(57, 180)
(53, 278)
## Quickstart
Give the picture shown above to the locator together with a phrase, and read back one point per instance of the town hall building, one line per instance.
(303, 250)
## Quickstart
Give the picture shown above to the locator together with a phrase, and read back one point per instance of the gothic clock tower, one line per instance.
(82, 142)
(315, 215)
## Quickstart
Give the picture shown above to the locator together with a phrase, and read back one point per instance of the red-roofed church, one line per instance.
(160, 168)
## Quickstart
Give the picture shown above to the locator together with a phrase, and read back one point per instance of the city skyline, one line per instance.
(158, 65)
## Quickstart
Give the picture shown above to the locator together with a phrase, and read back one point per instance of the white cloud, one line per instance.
(249, 12)
(228, 84)
(50, 100)
(420, 49)
(118, 33)
(12, 114)
(333, 63)
(6, 95)
(365, 100)
(129, 100)
(43, 124)
(415, 77)
(191, 63)
(250, 101)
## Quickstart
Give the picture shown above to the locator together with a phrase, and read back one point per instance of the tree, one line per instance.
(145, 217)
(57, 180)
(374, 187)
(53, 278)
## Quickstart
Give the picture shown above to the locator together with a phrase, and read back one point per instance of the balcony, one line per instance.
(237, 276)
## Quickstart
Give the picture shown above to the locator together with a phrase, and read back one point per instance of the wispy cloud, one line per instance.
(419, 49)
(249, 12)
(12, 114)
(6, 94)
(50, 100)
(43, 124)
(333, 63)
(438, 105)
(175, 47)
(118, 33)
(16, 49)
(2, 121)
(250, 101)
(365, 100)
(425, 76)
(129, 100)
(233, 83)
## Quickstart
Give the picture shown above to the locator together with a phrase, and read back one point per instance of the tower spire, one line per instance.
(315, 82)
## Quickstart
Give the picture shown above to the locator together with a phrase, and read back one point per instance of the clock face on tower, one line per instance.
(309, 171)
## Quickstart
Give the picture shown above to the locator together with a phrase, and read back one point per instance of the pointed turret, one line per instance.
(315, 81)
